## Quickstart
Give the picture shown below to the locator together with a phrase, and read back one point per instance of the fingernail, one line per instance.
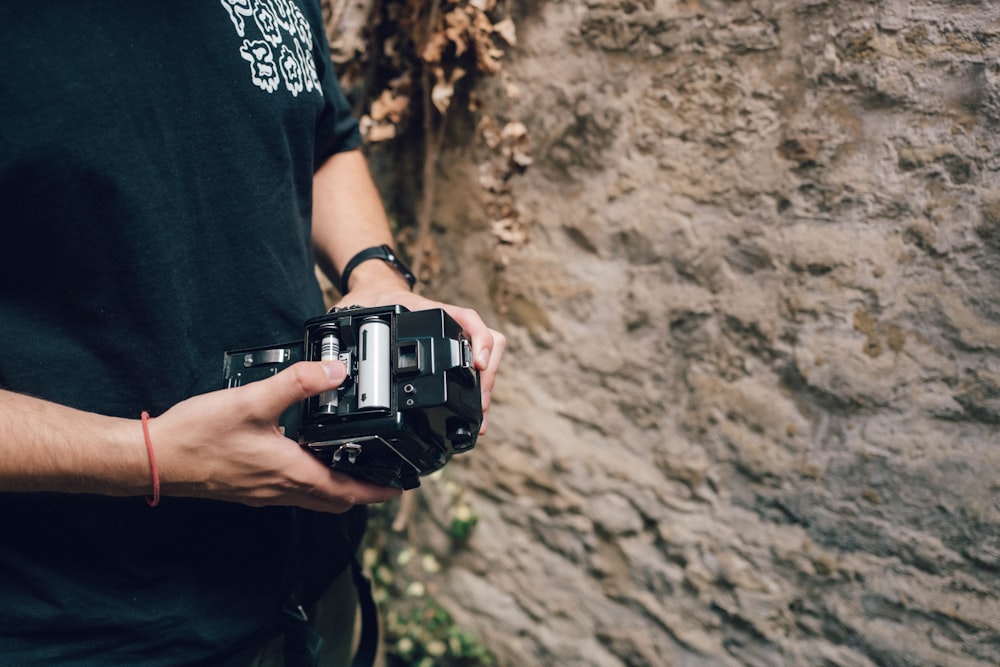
(335, 371)
(483, 360)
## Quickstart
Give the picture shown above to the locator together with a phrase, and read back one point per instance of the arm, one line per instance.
(50, 447)
(223, 445)
(348, 217)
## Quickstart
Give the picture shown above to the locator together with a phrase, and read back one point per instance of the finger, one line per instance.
(476, 329)
(296, 383)
(499, 347)
(360, 492)
(489, 374)
(340, 492)
(487, 349)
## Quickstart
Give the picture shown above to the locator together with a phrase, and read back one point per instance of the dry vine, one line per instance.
(423, 57)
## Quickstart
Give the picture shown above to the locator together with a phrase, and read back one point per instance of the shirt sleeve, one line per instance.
(336, 128)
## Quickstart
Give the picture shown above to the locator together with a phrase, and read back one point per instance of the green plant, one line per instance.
(417, 630)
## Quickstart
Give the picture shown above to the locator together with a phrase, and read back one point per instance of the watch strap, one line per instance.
(382, 252)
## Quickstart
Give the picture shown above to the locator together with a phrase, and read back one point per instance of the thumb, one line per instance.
(297, 383)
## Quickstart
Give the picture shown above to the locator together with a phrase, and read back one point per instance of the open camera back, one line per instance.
(411, 399)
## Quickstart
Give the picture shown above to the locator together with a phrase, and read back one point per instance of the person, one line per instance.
(170, 175)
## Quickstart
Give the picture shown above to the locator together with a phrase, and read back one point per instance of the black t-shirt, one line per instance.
(155, 200)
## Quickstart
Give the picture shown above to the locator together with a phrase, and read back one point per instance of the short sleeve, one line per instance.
(336, 127)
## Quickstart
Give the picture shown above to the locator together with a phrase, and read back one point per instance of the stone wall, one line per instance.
(750, 412)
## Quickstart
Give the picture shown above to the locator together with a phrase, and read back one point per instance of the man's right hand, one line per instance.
(224, 445)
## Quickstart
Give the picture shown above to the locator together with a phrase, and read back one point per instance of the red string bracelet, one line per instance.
(155, 499)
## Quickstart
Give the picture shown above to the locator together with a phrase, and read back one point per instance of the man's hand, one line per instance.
(226, 445)
(379, 285)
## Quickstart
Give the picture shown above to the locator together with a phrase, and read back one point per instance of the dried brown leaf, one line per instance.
(490, 182)
(389, 107)
(444, 87)
(434, 48)
(374, 132)
(489, 131)
(487, 53)
(514, 131)
(488, 61)
(517, 145)
(506, 30)
(458, 25)
(510, 231)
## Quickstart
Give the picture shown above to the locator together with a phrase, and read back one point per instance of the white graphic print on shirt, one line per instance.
(283, 53)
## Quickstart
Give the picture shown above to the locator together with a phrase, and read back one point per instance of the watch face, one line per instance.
(404, 270)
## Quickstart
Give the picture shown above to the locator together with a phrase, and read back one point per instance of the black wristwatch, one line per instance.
(383, 252)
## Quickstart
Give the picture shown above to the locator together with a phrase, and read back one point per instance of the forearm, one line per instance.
(49, 447)
(348, 217)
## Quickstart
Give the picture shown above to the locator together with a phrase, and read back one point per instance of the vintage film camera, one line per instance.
(410, 401)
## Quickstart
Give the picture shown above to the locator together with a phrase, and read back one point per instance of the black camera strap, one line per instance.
(368, 642)
(303, 644)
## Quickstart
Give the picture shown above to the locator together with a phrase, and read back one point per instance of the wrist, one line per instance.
(378, 263)
(377, 277)
(126, 470)
(154, 499)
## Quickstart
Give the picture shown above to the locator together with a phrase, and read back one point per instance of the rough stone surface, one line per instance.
(750, 412)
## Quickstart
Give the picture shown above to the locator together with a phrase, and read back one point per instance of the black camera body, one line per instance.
(411, 400)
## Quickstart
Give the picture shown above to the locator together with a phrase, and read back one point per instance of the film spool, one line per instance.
(329, 350)
(374, 371)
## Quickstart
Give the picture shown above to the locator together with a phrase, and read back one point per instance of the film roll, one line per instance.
(374, 370)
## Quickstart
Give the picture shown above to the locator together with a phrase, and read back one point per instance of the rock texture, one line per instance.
(750, 413)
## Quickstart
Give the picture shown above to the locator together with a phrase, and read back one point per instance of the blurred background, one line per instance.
(747, 257)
